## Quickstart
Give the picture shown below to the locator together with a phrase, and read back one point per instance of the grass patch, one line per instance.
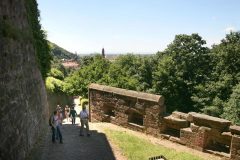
(135, 148)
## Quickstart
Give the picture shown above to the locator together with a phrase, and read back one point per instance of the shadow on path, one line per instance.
(75, 147)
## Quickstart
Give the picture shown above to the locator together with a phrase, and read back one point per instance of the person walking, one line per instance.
(55, 123)
(67, 110)
(73, 114)
(84, 116)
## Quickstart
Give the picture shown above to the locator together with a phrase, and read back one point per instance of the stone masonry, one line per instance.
(147, 113)
(134, 110)
(23, 100)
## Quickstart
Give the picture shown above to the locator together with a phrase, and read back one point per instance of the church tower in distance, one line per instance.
(103, 53)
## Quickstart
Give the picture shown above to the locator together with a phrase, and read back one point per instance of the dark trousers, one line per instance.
(73, 120)
(84, 122)
(56, 131)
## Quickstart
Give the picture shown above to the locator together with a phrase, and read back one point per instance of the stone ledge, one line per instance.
(180, 115)
(140, 95)
(221, 154)
(178, 123)
(209, 121)
(136, 125)
(235, 130)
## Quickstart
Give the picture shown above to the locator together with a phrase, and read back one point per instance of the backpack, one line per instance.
(50, 120)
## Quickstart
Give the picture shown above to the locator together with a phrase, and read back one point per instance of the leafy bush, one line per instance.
(54, 85)
(84, 101)
(56, 74)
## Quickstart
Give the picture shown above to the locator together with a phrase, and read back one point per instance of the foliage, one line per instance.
(134, 148)
(130, 72)
(83, 101)
(213, 95)
(56, 74)
(231, 110)
(189, 75)
(8, 30)
(39, 37)
(179, 68)
(86, 60)
(54, 85)
(77, 83)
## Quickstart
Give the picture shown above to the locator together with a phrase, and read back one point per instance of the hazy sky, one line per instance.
(120, 26)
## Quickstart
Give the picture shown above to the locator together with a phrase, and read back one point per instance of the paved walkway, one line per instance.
(96, 147)
(75, 147)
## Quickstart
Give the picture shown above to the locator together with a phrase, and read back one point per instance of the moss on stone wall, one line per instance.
(40, 43)
(7, 30)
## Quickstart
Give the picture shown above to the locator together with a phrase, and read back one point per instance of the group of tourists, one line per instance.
(55, 121)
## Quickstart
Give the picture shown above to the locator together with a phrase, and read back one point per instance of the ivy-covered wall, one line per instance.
(23, 99)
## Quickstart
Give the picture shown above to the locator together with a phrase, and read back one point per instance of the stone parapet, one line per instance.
(235, 147)
(135, 110)
(128, 93)
(209, 121)
(146, 113)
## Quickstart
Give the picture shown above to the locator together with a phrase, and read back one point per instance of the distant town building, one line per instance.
(103, 53)
(71, 63)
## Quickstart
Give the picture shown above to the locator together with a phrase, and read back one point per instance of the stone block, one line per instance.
(187, 137)
(175, 139)
(180, 115)
(175, 123)
(235, 129)
(194, 127)
(209, 121)
(235, 147)
(215, 135)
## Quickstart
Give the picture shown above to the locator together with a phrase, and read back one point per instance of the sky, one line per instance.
(134, 26)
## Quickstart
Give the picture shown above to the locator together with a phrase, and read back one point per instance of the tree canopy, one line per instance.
(191, 76)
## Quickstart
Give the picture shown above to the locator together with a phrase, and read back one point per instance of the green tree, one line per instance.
(184, 64)
(130, 72)
(231, 110)
(77, 83)
(212, 95)
(123, 73)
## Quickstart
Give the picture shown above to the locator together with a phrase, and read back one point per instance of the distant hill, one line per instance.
(60, 53)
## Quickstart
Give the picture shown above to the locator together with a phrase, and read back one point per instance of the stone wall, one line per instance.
(147, 113)
(23, 100)
(130, 109)
(57, 98)
(205, 133)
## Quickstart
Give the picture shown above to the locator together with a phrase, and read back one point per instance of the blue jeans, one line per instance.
(56, 132)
